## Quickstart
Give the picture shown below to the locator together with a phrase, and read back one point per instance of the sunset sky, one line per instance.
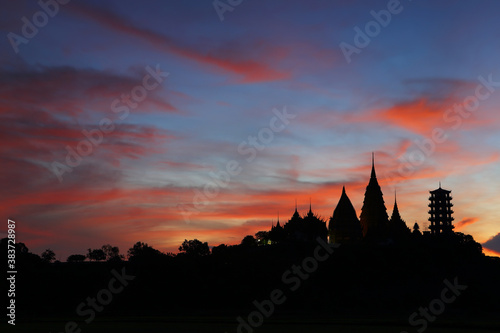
(269, 93)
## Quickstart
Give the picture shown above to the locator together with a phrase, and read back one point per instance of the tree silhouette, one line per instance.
(194, 247)
(220, 249)
(142, 250)
(249, 240)
(96, 255)
(22, 251)
(76, 258)
(21, 248)
(262, 237)
(48, 255)
(111, 252)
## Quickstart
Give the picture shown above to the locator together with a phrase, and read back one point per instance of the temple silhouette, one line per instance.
(441, 220)
(373, 225)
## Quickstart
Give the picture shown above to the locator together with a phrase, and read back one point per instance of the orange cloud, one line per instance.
(465, 222)
(419, 116)
(490, 252)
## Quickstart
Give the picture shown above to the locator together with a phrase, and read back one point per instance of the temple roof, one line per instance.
(395, 212)
(440, 190)
(373, 175)
(344, 212)
(373, 213)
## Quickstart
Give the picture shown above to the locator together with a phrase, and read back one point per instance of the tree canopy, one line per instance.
(48, 255)
(194, 247)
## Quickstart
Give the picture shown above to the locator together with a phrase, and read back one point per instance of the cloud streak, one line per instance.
(249, 70)
(465, 222)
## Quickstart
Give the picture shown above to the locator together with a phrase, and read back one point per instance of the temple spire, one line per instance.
(395, 211)
(343, 189)
(310, 213)
(397, 226)
(296, 213)
(374, 219)
(373, 166)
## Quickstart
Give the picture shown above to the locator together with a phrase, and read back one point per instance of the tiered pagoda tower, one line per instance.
(440, 211)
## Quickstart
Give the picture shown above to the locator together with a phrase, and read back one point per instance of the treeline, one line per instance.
(139, 250)
(226, 279)
(195, 247)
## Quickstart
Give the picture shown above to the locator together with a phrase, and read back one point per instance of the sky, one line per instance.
(159, 121)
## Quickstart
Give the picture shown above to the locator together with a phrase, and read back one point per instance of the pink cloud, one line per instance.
(251, 70)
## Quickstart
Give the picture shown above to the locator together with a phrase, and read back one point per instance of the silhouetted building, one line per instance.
(440, 211)
(373, 224)
(294, 228)
(314, 226)
(374, 219)
(300, 229)
(277, 233)
(344, 226)
(397, 226)
(416, 230)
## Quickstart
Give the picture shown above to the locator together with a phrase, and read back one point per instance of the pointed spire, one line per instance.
(395, 211)
(373, 166)
(439, 184)
(310, 213)
(278, 224)
(344, 226)
(374, 218)
(296, 213)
